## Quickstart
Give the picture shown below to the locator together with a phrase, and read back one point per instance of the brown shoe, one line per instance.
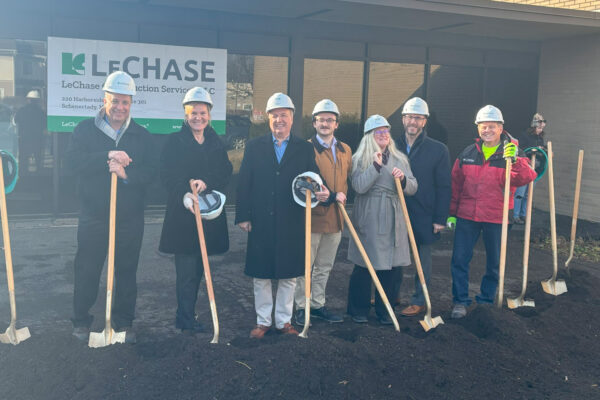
(288, 329)
(412, 310)
(259, 331)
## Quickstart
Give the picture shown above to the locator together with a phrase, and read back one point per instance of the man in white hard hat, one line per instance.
(111, 142)
(477, 202)
(428, 208)
(334, 160)
(266, 209)
(31, 123)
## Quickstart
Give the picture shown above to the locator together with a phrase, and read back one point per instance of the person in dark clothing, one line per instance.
(194, 153)
(266, 209)
(534, 136)
(428, 208)
(110, 143)
(31, 122)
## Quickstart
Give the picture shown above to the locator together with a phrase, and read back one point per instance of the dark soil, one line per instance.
(547, 352)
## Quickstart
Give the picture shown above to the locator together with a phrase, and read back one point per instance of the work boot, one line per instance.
(459, 311)
(81, 333)
(412, 310)
(324, 313)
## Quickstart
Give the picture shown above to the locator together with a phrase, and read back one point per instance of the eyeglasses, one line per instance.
(417, 118)
(540, 121)
(325, 120)
(382, 132)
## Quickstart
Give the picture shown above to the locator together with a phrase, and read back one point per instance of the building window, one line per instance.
(390, 85)
(341, 82)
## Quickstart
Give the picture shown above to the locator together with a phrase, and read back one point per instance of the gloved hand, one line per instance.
(188, 201)
(451, 223)
(510, 151)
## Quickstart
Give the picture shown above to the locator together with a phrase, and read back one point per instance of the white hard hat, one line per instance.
(416, 105)
(301, 183)
(119, 82)
(489, 113)
(375, 121)
(197, 94)
(280, 100)
(33, 94)
(211, 203)
(326, 105)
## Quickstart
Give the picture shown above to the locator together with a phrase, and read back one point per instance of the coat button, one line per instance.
(277, 173)
(272, 213)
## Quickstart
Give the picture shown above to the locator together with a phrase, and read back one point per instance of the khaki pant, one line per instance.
(323, 250)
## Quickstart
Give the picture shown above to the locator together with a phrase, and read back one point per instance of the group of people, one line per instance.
(467, 196)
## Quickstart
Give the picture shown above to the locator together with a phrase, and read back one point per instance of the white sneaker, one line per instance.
(459, 311)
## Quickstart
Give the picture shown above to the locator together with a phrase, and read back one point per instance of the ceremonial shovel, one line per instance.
(520, 301)
(427, 323)
(108, 336)
(552, 286)
(363, 253)
(12, 335)
(575, 209)
(503, 238)
(307, 264)
(207, 276)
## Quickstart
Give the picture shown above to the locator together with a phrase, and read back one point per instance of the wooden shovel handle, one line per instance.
(363, 253)
(504, 236)
(575, 206)
(552, 211)
(5, 234)
(207, 275)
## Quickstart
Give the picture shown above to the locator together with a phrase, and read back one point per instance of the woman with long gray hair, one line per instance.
(377, 216)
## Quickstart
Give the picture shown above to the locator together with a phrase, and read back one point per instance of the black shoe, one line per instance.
(82, 333)
(360, 319)
(324, 313)
(197, 327)
(385, 320)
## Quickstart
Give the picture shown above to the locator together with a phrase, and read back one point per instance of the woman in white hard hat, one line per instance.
(378, 218)
(194, 153)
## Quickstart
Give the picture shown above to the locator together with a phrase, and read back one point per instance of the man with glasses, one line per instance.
(428, 208)
(265, 208)
(111, 142)
(334, 160)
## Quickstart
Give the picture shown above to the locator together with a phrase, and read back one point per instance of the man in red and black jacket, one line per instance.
(477, 202)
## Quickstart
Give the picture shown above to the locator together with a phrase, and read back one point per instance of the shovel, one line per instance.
(552, 286)
(575, 210)
(108, 336)
(307, 265)
(363, 253)
(502, 267)
(427, 323)
(207, 276)
(12, 335)
(520, 301)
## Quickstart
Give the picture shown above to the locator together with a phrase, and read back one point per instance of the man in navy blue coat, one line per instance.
(428, 208)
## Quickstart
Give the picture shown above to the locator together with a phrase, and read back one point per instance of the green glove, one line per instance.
(451, 223)
(510, 151)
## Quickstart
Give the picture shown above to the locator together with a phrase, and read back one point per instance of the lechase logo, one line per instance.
(73, 65)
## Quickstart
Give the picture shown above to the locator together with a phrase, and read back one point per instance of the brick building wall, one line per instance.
(585, 5)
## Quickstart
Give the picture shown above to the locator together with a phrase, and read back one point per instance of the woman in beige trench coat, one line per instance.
(377, 217)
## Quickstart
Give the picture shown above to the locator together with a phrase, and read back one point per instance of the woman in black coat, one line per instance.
(194, 153)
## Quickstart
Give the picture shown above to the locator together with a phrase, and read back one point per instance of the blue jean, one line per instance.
(465, 237)
(520, 210)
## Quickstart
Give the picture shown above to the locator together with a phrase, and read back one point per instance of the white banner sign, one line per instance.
(77, 69)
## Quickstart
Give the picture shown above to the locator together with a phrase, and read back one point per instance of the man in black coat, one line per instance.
(266, 209)
(110, 143)
(428, 208)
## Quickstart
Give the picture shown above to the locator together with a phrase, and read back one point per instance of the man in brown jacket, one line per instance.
(334, 160)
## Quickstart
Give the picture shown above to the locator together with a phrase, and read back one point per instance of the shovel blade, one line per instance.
(15, 336)
(519, 302)
(554, 287)
(102, 339)
(430, 323)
